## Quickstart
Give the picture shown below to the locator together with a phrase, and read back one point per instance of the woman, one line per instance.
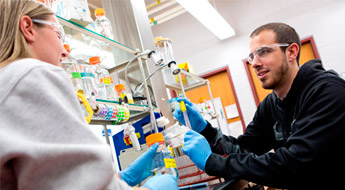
(45, 143)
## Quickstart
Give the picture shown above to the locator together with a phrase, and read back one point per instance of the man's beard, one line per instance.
(277, 77)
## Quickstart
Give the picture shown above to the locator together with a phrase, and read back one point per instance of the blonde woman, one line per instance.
(45, 142)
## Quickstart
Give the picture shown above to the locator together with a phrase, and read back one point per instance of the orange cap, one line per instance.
(153, 138)
(119, 87)
(202, 99)
(66, 46)
(100, 12)
(94, 60)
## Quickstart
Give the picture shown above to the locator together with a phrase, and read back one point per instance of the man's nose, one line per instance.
(256, 63)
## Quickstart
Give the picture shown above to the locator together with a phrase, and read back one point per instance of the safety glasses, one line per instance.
(57, 28)
(263, 51)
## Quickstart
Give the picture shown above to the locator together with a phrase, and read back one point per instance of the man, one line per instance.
(302, 120)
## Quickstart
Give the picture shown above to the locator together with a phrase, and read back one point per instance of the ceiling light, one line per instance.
(203, 11)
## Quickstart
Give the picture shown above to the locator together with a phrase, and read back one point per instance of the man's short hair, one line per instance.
(284, 34)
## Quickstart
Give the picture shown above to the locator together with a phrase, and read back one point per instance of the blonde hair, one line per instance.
(12, 43)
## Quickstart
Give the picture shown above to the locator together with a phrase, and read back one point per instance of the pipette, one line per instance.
(185, 115)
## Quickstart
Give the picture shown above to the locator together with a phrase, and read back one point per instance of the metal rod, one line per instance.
(213, 104)
(162, 5)
(106, 134)
(153, 119)
(181, 84)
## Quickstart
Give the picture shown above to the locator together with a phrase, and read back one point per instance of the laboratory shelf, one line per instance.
(134, 117)
(190, 81)
(114, 55)
(136, 112)
(76, 27)
(131, 107)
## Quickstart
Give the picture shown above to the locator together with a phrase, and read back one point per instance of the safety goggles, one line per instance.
(57, 28)
(263, 51)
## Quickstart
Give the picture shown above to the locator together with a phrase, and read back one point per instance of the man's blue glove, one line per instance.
(197, 148)
(141, 168)
(196, 121)
(162, 182)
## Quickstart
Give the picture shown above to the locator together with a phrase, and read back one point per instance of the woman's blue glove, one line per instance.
(141, 168)
(196, 121)
(162, 182)
(197, 148)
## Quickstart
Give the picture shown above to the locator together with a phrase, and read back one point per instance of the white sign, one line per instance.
(231, 111)
(236, 129)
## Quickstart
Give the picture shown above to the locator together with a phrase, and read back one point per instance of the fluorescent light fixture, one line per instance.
(203, 11)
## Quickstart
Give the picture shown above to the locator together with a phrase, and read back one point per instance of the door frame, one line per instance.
(222, 69)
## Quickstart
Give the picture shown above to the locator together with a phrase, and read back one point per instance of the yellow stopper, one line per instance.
(183, 106)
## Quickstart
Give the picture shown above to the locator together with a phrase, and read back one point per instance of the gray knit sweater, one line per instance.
(45, 143)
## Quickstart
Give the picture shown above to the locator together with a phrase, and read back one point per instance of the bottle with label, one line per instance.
(163, 162)
(109, 85)
(103, 25)
(67, 62)
(71, 67)
(174, 138)
(100, 75)
(88, 79)
(123, 96)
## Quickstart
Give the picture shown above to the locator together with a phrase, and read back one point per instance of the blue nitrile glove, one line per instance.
(162, 182)
(140, 169)
(196, 121)
(197, 148)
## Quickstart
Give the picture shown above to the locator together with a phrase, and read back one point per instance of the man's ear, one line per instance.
(26, 27)
(292, 51)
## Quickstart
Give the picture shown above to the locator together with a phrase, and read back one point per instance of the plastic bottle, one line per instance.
(88, 79)
(103, 25)
(104, 82)
(120, 89)
(71, 67)
(100, 74)
(109, 84)
(123, 96)
(163, 162)
(66, 63)
(92, 25)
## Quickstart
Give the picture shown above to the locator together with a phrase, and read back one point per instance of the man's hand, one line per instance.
(197, 148)
(196, 120)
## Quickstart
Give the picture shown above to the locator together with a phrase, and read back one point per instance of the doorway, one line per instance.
(221, 86)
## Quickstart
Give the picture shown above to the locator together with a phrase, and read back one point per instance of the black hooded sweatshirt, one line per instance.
(306, 130)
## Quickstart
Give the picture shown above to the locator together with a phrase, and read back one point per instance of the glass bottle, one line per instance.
(103, 25)
(88, 79)
(71, 67)
(100, 75)
(163, 162)
(109, 85)
(121, 94)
